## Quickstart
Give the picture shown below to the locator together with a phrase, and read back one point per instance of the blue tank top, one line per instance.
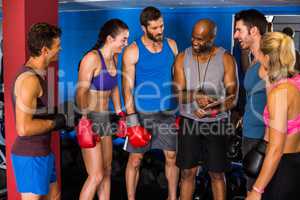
(153, 79)
(103, 81)
(253, 125)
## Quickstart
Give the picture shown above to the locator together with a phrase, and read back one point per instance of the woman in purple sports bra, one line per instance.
(279, 178)
(97, 82)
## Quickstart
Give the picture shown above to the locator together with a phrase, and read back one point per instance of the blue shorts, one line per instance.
(34, 173)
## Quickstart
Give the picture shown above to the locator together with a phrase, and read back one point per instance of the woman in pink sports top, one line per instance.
(279, 178)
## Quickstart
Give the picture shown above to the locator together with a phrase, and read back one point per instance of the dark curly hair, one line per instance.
(149, 14)
(253, 18)
(41, 35)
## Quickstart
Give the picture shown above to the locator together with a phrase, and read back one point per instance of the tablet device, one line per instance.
(218, 102)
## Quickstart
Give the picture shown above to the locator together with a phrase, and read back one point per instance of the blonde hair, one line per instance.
(281, 51)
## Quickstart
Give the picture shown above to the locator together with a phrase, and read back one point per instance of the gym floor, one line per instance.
(152, 184)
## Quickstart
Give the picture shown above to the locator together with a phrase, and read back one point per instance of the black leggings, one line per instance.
(286, 181)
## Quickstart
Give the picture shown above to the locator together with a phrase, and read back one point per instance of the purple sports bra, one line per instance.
(293, 124)
(104, 81)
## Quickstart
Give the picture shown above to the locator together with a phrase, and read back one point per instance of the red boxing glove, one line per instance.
(121, 132)
(85, 135)
(138, 136)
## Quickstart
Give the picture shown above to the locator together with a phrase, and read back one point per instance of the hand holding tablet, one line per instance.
(218, 102)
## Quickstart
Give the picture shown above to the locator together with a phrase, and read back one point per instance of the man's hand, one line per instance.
(203, 100)
(200, 113)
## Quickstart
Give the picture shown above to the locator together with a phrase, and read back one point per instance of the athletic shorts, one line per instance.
(284, 184)
(34, 174)
(162, 127)
(102, 123)
(203, 143)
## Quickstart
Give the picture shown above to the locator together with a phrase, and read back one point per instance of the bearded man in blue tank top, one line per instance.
(250, 25)
(204, 74)
(147, 89)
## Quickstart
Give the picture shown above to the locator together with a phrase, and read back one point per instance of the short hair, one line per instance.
(253, 18)
(289, 31)
(281, 51)
(41, 35)
(149, 14)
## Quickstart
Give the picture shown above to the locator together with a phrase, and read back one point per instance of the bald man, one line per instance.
(204, 74)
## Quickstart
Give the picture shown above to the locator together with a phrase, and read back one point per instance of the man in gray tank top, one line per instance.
(206, 85)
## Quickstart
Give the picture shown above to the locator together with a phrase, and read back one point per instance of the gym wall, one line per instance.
(80, 30)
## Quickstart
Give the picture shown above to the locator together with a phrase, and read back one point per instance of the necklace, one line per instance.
(205, 71)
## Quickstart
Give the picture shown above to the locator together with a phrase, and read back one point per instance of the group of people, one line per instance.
(157, 82)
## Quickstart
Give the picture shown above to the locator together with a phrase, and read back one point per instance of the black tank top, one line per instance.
(36, 145)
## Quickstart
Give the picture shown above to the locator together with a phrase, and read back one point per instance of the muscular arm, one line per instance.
(116, 99)
(85, 74)
(183, 95)
(278, 109)
(230, 81)
(27, 90)
(129, 60)
(115, 92)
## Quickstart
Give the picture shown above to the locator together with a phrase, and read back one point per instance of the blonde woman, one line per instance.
(279, 177)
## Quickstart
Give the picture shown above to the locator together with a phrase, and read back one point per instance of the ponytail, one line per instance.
(287, 55)
(97, 45)
(110, 28)
(281, 51)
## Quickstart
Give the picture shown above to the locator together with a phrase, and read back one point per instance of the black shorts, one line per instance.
(203, 143)
(284, 184)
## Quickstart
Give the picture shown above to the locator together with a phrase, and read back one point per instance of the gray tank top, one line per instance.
(208, 77)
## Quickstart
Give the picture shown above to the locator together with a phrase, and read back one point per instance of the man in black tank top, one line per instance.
(204, 76)
(32, 160)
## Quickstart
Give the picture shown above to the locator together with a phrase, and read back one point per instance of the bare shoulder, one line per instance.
(89, 61)
(281, 90)
(27, 81)
(179, 62)
(284, 87)
(172, 42)
(28, 77)
(90, 57)
(132, 48)
(229, 61)
(180, 57)
(227, 56)
(173, 45)
(131, 53)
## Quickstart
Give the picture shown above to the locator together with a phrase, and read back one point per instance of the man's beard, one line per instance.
(203, 49)
(155, 38)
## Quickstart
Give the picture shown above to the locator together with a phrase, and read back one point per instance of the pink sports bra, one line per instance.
(293, 124)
